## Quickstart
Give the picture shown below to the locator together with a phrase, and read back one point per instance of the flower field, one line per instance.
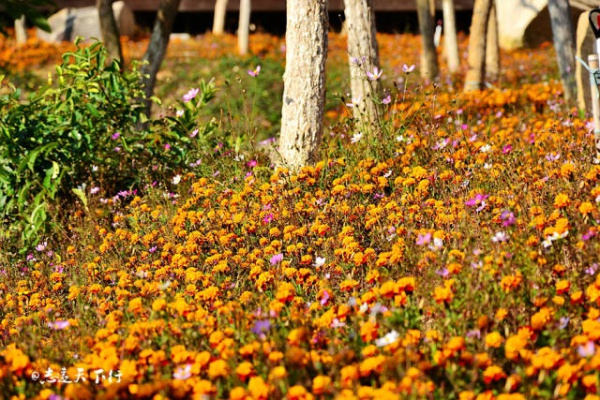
(450, 254)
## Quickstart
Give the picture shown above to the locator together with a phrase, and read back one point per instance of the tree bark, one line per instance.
(20, 32)
(363, 53)
(450, 40)
(244, 27)
(304, 82)
(429, 63)
(219, 19)
(109, 29)
(492, 49)
(564, 43)
(157, 48)
(477, 45)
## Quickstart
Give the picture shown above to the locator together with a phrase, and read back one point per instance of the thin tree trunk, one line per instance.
(429, 63)
(219, 19)
(363, 53)
(450, 40)
(157, 48)
(20, 32)
(492, 49)
(304, 82)
(109, 29)
(477, 45)
(564, 43)
(244, 26)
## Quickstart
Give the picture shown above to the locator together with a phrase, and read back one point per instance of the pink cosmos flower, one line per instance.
(190, 95)
(254, 72)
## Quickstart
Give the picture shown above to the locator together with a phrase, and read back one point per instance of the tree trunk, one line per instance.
(429, 63)
(492, 49)
(20, 32)
(363, 53)
(219, 19)
(450, 40)
(477, 45)
(564, 43)
(304, 82)
(157, 48)
(109, 29)
(244, 27)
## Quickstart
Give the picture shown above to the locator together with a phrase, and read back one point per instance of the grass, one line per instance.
(452, 255)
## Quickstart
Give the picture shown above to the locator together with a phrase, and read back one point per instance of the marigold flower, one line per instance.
(494, 339)
(218, 369)
(493, 373)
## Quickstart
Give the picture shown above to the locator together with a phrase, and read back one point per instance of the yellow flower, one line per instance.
(218, 368)
(561, 201)
(493, 373)
(321, 385)
(493, 340)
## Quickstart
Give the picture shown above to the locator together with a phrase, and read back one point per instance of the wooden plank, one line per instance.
(260, 5)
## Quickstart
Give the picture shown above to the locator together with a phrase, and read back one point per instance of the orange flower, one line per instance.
(493, 373)
(493, 340)
(321, 385)
(218, 368)
(244, 370)
(258, 388)
(368, 331)
(561, 201)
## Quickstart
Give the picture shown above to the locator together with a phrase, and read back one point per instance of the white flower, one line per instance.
(487, 166)
(355, 102)
(176, 179)
(356, 137)
(179, 113)
(183, 373)
(485, 148)
(319, 262)
(437, 244)
(500, 237)
(389, 338)
(363, 308)
(337, 324)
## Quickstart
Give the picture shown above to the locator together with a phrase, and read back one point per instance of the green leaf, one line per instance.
(81, 195)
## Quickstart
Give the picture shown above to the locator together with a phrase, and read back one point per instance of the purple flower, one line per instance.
(261, 326)
(376, 74)
(564, 321)
(587, 350)
(268, 218)
(276, 259)
(407, 70)
(588, 235)
(508, 218)
(507, 149)
(115, 135)
(194, 133)
(387, 99)
(41, 246)
(325, 298)
(475, 333)
(252, 163)
(190, 95)
(423, 239)
(254, 72)
(479, 200)
(443, 272)
(591, 270)
(59, 325)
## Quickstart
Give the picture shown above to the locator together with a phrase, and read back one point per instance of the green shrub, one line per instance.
(82, 129)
